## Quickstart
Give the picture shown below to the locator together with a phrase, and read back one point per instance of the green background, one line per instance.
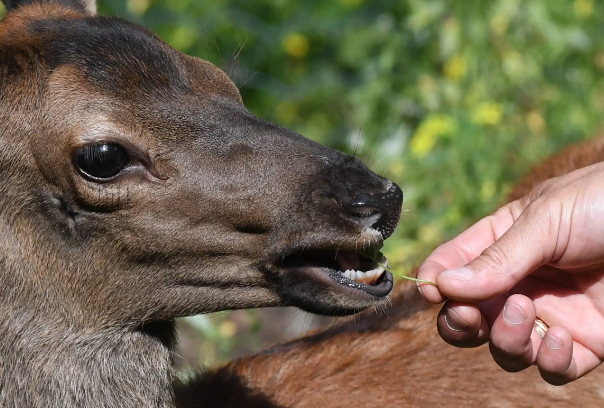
(454, 100)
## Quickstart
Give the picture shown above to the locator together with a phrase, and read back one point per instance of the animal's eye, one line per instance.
(102, 161)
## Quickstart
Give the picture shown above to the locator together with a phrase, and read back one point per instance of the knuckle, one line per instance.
(509, 360)
(545, 215)
(542, 189)
(542, 209)
(515, 208)
(494, 260)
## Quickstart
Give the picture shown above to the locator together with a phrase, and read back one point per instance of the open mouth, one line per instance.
(354, 269)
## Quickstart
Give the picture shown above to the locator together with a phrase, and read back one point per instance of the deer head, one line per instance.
(135, 186)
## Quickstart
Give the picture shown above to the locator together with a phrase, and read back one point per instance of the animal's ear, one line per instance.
(85, 6)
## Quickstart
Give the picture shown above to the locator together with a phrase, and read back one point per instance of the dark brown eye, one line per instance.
(102, 161)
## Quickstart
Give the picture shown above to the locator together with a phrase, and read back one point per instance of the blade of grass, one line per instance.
(374, 258)
(406, 277)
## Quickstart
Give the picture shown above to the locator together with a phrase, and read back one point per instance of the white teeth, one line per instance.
(378, 272)
(363, 277)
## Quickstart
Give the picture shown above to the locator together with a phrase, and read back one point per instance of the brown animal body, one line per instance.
(135, 188)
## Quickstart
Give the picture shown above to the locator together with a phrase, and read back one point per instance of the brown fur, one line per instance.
(573, 157)
(398, 360)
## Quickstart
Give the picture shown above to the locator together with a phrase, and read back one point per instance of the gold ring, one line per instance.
(540, 327)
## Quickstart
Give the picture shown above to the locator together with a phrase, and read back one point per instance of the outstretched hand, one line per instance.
(538, 257)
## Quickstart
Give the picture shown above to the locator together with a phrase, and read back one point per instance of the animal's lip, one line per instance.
(351, 271)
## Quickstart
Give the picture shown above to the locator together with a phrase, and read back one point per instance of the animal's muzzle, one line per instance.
(380, 211)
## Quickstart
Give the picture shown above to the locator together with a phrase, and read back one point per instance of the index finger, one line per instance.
(465, 247)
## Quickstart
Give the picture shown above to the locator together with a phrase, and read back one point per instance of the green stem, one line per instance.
(373, 257)
(406, 277)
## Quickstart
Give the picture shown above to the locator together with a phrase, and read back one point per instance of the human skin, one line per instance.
(539, 256)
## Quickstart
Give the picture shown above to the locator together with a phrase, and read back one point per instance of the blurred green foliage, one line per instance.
(454, 100)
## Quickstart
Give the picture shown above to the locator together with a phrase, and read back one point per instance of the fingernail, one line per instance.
(419, 288)
(454, 321)
(513, 314)
(464, 273)
(552, 342)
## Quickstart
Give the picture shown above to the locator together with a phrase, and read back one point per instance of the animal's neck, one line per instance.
(55, 366)
(53, 353)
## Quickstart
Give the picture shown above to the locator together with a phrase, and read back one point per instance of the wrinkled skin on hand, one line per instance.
(539, 256)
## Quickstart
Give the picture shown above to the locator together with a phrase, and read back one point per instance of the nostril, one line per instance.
(361, 200)
(363, 212)
(379, 211)
(362, 207)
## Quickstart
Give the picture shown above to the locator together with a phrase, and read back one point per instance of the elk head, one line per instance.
(136, 187)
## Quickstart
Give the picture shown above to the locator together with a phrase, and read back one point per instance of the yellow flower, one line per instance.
(182, 38)
(583, 8)
(487, 113)
(286, 112)
(396, 168)
(430, 233)
(535, 122)
(228, 329)
(296, 45)
(397, 256)
(455, 68)
(428, 132)
(454, 216)
(599, 60)
(499, 24)
(487, 191)
(138, 7)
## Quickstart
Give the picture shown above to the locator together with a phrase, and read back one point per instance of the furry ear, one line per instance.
(85, 6)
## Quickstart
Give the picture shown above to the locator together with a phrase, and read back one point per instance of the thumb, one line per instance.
(529, 243)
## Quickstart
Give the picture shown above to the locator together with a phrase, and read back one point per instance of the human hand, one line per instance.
(540, 256)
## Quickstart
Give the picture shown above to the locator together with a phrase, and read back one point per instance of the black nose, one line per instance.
(380, 211)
